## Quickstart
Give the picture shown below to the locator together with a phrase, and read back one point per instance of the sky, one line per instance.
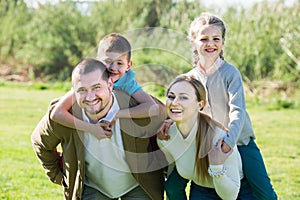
(217, 3)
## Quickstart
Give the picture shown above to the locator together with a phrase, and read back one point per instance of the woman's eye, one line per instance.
(184, 98)
(171, 97)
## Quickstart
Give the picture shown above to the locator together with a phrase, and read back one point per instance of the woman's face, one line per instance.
(209, 42)
(182, 104)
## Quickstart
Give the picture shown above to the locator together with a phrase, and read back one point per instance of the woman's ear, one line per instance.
(201, 105)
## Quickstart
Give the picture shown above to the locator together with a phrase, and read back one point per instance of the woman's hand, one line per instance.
(163, 133)
(216, 156)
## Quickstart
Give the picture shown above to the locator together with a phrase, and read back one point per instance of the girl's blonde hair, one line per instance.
(197, 24)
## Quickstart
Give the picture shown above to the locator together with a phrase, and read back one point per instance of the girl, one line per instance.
(225, 100)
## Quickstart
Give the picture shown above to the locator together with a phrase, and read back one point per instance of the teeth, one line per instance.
(176, 110)
(210, 50)
(93, 103)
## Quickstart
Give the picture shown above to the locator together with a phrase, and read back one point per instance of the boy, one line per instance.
(115, 51)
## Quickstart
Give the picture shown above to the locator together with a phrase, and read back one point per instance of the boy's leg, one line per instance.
(175, 186)
(255, 171)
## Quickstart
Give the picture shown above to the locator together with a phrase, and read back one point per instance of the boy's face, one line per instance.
(116, 63)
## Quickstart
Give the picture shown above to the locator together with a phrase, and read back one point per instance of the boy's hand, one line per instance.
(163, 133)
(101, 130)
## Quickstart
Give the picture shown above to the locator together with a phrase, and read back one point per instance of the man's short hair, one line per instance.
(89, 65)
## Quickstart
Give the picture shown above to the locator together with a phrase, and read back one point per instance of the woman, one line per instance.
(195, 144)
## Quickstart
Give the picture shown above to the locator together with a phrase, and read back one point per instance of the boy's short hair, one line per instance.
(114, 42)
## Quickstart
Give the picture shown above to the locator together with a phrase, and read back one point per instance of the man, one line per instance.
(123, 165)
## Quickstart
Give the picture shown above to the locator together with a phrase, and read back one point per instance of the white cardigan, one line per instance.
(183, 152)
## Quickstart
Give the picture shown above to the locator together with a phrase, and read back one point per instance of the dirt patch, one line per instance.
(7, 74)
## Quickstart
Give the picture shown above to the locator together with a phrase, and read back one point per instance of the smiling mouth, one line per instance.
(114, 74)
(175, 111)
(210, 50)
(92, 103)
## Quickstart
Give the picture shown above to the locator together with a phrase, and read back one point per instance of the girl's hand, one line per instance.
(216, 156)
(225, 147)
(163, 133)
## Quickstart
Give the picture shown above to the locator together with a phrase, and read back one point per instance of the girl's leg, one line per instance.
(202, 193)
(255, 171)
(246, 192)
(175, 186)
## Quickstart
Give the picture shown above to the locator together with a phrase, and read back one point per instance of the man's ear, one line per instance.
(110, 84)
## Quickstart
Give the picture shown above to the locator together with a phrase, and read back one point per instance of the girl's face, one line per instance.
(209, 42)
(182, 104)
(116, 63)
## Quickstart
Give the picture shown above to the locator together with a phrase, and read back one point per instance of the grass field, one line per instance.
(22, 177)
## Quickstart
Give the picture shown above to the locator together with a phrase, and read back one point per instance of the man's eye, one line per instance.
(97, 87)
(216, 39)
(81, 91)
(184, 98)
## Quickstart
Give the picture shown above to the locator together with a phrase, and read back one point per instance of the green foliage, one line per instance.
(58, 37)
(253, 40)
(14, 18)
(262, 40)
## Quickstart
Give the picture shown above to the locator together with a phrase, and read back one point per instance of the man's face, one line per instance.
(93, 94)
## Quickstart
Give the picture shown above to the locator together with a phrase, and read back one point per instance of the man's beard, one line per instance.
(99, 110)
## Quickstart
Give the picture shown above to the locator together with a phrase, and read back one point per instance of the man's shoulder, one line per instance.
(124, 99)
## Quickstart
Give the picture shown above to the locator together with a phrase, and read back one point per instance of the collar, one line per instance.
(210, 70)
(110, 114)
(191, 137)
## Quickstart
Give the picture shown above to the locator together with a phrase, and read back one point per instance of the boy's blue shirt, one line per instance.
(127, 83)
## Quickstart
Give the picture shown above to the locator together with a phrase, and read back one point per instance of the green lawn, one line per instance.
(22, 176)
